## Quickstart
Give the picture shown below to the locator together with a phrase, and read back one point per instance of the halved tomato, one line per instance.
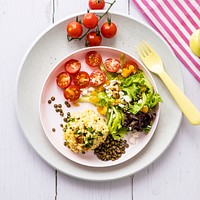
(72, 93)
(112, 65)
(81, 79)
(63, 80)
(130, 67)
(93, 59)
(72, 66)
(97, 78)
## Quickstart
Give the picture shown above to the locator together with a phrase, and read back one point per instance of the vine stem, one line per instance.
(111, 4)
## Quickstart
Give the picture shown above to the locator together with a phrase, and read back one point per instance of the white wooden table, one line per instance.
(25, 176)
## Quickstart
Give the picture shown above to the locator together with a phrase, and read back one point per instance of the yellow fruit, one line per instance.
(126, 72)
(145, 109)
(93, 99)
(195, 42)
(94, 93)
(102, 110)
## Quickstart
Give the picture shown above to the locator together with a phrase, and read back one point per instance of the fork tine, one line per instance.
(143, 49)
(147, 47)
(150, 50)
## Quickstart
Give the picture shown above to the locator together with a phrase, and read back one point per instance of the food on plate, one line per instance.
(74, 29)
(93, 39)
(71, 93)
(90, 24)
(130, 67)
(112, 64)
(108, 29)
(93, 59)
(72, 66)
(111, 149)
(90, 20)
(81, 79)
(97, 78)
(63, 80)
(96, 4)
(85, 131)
(124, 98)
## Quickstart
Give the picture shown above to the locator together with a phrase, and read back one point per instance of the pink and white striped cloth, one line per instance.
(175, 20)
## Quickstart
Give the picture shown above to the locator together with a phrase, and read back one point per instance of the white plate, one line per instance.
(50, 119)
(51, 47)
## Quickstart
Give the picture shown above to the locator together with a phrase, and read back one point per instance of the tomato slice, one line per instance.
(72, 66)
(131, 65)
(72, 93)
(82, 79)
(97, 78)
(63, 80)
(112, 65)
(93, 59)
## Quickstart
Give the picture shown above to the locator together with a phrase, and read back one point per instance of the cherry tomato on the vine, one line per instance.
(72, 66)
(72, 93)
(74, 29)
(93, 39)
(93, 59)
(90, 20)
(112, 65)
(96, 4)
(97, 78)
(108, 29)
(63, 80)
(82, 79)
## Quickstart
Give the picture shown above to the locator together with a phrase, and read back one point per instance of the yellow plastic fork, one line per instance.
(154, 63)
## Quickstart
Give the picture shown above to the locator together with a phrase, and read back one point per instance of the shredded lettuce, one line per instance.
(114, 122)
(104, 100)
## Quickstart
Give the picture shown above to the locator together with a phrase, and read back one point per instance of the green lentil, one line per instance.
(111, 149)
(53, 98)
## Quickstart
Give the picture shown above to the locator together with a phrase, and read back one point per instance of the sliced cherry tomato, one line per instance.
(90, 20)
(93, 59)
(112, 65)
(72, 93)
(82, 79)
(63, 80)
(97, 78)
(72, 66)
(130, 67)
(96, 4)
(108, 29)
(74, 29)
(93, 39)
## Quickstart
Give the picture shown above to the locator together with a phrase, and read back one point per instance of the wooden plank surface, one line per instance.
(24, 175)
